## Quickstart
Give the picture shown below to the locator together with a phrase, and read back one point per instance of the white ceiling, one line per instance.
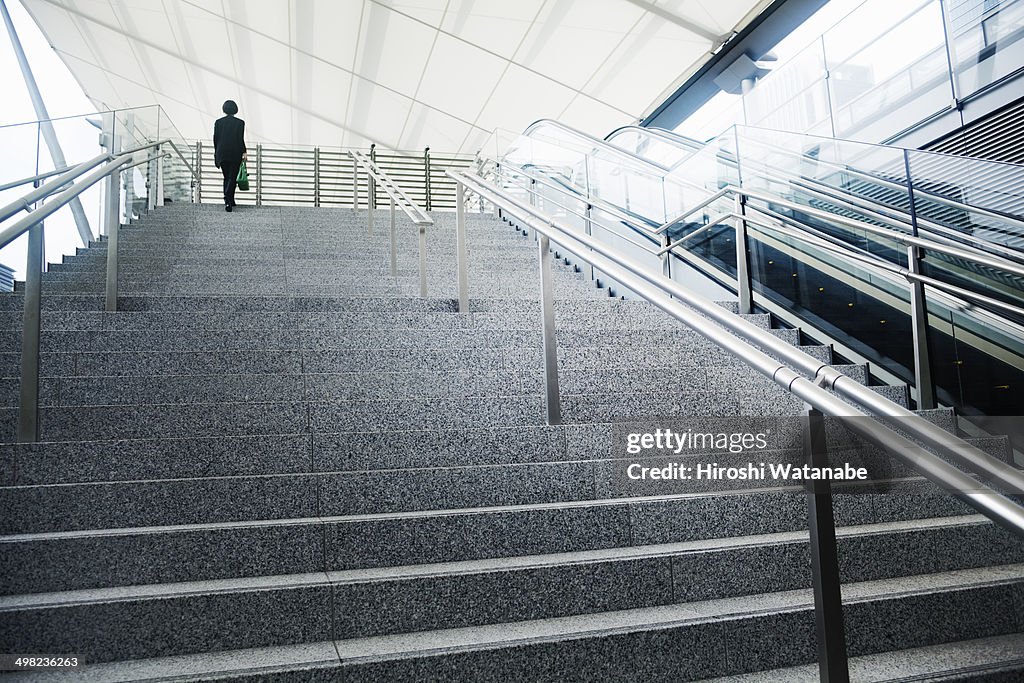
(402, 73)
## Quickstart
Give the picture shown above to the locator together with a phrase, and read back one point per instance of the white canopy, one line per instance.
(402, 73)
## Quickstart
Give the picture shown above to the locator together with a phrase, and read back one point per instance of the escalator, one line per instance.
(825, 268)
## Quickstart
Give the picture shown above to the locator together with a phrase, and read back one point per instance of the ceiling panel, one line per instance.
(409, 73)
(393, 49)
(459, 78)
(522, 95)
(495, 25)
(445, 132)
(572, 38)
(623, 80)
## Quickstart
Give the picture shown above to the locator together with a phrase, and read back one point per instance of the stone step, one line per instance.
(96, 422)
(201, 500)
(219, 456)
(147, 622)
(95, 552)
(155, 338)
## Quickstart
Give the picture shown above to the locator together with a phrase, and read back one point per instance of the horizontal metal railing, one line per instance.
(323, 176)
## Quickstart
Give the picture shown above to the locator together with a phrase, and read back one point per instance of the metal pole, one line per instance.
(113, 223)
(49, 134)
(129, 175)
(423, 261)
(828, 602)
(923, 379)
(919, 327)
(259, 175)
(159, 177)
(426, 176)
(588, 228)
(199, 170)
(742, 260)
(151, 179)
(394, 241)
(28, 401)
(355, 184)
(461, 258)
(371, 190)
(552, 402)
(316, 176)
(666, 263)
(159, 199)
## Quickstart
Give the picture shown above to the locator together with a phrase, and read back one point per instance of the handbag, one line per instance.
(243, 177)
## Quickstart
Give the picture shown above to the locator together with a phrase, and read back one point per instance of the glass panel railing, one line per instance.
(82, 138)
(806, 192)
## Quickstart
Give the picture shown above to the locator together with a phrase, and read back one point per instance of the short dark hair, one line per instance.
(230, 108)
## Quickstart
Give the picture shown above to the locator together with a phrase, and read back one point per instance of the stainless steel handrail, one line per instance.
(26, 201)
(80, 178)
(411, 209)
(741, 339)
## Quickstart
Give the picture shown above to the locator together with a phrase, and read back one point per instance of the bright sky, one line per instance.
(79, 140)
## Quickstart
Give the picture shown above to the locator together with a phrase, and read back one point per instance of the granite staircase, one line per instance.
(276, 462)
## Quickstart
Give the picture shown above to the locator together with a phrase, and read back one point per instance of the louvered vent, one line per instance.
(998, 136)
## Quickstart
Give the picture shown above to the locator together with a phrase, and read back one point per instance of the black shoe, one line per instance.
(227, 207)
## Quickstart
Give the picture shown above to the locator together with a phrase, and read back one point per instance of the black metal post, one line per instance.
(828, 601)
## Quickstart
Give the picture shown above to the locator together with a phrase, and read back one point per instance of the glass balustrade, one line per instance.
(811, 198)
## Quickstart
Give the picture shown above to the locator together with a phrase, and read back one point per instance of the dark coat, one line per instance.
(228, 140)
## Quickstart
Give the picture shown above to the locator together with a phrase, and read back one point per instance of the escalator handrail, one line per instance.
(654, 167)
(885, 182)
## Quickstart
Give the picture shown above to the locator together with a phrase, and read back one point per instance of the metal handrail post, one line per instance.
(129, 179)
(588, 228)
(151, 179)
(199, 172)
(743, 292)
(461, 257)
(28, 399)
(316, 177)
(114, 225)
(426, 177)
(926, 397)
(423, 260)
(259, 175)
(828, 602)
(394, 241)
(371, 182)
(159, 177)
(666, 255)
(355, 184)
(552, 400)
